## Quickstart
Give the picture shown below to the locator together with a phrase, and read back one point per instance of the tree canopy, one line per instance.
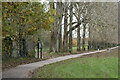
(25, 18)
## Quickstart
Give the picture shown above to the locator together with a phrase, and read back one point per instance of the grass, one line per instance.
(74, 47)
(86, 67)
(80, 47)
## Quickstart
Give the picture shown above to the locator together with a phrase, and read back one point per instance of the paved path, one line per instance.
(22, 71)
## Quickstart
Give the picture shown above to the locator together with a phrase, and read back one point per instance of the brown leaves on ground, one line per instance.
(7, 65)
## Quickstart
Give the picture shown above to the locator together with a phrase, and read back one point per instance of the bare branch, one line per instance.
(76, 16)
(72, 23)
(73, 28)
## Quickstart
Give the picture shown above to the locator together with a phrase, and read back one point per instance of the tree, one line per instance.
(102, 24)
(60, 6)
(71, 18)
(54, 31)
(65, 38)
(78, 10)
(25, 18)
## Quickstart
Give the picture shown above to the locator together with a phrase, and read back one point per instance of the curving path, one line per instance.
(22, 71)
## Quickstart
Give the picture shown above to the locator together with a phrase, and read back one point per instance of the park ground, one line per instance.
(100, 65)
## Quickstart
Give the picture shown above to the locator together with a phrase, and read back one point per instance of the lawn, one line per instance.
(80, 47)
(101, 65)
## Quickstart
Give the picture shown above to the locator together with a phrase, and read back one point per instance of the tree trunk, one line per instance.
(78, 33)
(89, 39)
(53, 42)
(78, 39)
(60, 36)
(65, 39)
(25, 52)
(61, 10)
(70, 36)
(54, 34)
(84, 31)
(20, 43)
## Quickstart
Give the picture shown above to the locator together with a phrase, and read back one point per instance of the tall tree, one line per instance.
(71, 18)
(60, 27)
(55, 30)
(65, 38)
(79, 11)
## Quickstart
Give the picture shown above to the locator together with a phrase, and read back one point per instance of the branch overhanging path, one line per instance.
(22, 71)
